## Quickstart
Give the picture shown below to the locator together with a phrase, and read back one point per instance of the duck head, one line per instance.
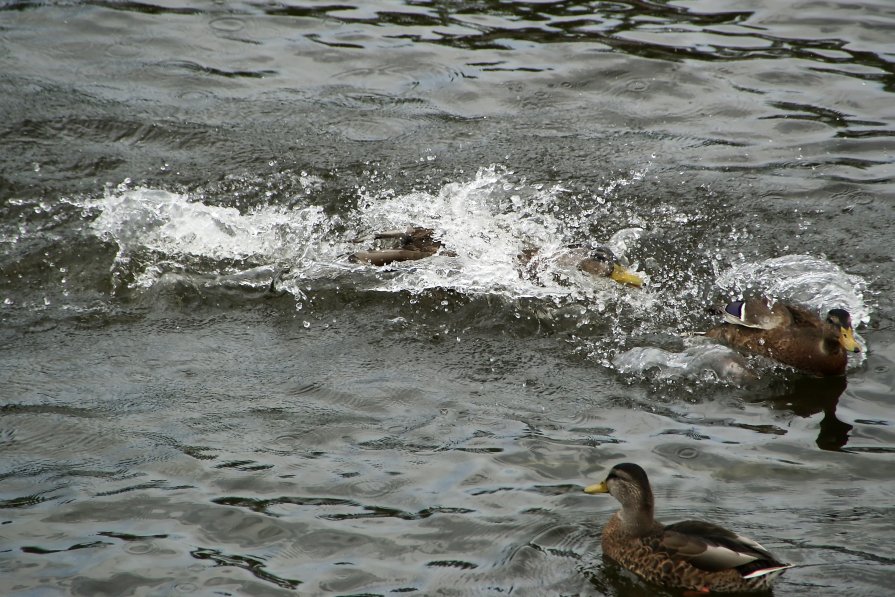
(841, 319)
(603, 262)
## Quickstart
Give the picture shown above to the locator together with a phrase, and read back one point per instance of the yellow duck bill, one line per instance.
(624, 276)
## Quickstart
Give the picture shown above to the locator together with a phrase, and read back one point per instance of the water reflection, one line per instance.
(808, 396)
(611, 580)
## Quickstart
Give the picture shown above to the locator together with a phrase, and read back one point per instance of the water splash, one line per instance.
(158, 231)
(171, 224)
(704, 361)
(812, 281)
(803, 279)
(486, 223)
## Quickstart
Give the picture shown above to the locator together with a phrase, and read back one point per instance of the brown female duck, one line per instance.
(789, 334)
(691, 555)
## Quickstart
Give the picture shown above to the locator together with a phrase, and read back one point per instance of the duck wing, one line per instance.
(757, 313)
(713, 548)
(802, 317)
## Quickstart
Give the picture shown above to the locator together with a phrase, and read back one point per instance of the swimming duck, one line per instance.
(418, 243)
(414, 243)
(789, 334)
(690, 555)
(599, 261)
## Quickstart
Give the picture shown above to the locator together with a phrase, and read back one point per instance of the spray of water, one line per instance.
(484, 223)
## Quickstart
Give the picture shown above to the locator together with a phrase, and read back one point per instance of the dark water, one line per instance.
(169, 426)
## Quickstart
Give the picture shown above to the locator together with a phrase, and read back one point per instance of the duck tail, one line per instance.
(774, 569)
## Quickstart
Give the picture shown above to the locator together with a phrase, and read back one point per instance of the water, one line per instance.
(172, 425)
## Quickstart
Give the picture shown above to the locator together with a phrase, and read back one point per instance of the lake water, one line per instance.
(169, 425)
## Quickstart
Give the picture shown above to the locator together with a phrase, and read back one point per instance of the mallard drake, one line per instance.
(413, 243)
(789, 334)
(691, 555)
(599, 261)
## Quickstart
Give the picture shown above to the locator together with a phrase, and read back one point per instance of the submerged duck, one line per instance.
(418, 243)
(413, 243)
(599, 261)
(789, 334)
(691, 555)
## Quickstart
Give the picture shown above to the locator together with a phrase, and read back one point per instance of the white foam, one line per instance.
(813, 281)
(178, 229)
(703, 361)
(486, 223)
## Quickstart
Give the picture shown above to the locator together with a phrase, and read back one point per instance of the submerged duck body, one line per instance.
(790, 334)
(691, 555)
(412, 243)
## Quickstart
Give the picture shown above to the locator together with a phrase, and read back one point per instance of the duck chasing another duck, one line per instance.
(599, 261)
(790, 334)
(414, 243)
(418, 243)
(690, 555)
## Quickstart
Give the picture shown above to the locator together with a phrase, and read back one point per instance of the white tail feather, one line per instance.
(766, 571)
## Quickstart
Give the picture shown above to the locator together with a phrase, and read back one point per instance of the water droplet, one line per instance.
(687, 453)
(138, 548)
(227, 24)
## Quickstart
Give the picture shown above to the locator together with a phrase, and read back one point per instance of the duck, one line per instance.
(691, 555)
(599, 261)
(790, 334)
(413, 243)
(416, 242)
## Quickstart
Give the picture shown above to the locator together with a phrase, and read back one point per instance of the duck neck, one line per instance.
(831, 346)
(638, 519)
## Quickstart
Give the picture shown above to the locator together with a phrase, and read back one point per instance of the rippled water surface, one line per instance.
(172, 422)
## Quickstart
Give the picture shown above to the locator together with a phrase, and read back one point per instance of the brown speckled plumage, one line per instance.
(789, 334)
(691, 555)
